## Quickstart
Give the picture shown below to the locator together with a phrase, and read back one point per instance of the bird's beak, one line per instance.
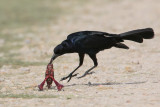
(53, 58)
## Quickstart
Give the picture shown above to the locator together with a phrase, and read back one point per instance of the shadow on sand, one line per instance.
(109, 83)
(97, 84)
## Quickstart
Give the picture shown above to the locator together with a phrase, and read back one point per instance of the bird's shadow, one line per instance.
(97, 84)
(108, 83)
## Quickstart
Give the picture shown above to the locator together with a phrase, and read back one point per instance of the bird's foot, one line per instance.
(86, 73)
(69, 76)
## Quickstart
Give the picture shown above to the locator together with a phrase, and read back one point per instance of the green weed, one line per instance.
(27, 96)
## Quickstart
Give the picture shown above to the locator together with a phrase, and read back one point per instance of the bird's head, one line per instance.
(61, 49)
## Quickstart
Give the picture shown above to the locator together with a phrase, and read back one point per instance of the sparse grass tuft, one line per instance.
(27, 96)
(17, 63)
(8, 57)
(19, 17)
(20, 13)
(68, 97)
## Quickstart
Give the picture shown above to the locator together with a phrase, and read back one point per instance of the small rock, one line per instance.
(129, 69)
(135, 62)
(89, 83)
(128, 101)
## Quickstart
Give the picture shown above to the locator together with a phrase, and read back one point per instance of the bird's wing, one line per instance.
(92, 39)
(88, 33)
(98, 41)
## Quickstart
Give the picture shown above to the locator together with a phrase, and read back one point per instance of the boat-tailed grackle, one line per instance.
(92, 42)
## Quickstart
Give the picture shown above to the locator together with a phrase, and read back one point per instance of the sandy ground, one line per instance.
(124, 78)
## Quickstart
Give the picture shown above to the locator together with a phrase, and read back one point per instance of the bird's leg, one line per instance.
(93, 57)
(70, 75)
(81, 57)
(87, 72)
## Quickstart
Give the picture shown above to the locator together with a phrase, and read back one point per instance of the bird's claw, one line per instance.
(69, 76)
(86, 73)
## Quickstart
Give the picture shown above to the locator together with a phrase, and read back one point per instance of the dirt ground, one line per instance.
(123, 78)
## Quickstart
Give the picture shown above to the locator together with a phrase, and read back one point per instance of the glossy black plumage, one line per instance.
(92, 42)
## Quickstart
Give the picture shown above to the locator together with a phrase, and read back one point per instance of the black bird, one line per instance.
(92, 42)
